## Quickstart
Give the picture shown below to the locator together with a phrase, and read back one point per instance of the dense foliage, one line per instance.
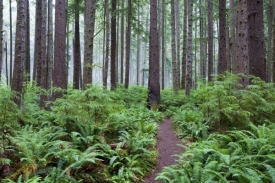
(231, 130)
(88, 136)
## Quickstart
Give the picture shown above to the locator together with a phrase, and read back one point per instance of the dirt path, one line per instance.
(167, 147)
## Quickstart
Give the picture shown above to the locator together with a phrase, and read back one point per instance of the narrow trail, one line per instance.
(167, 146)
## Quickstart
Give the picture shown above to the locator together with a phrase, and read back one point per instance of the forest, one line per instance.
(87, 86)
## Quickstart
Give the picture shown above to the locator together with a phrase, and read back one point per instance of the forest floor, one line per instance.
(167, 146)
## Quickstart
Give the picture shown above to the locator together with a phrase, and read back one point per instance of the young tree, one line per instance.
(90, 9)
(210, 39)
(77, 54)
(188, 77)
(60, 69)
(113, 47)
(20, 49)
(154, 87)
(128, 44)
(256, 53)
(242, 47)
(222, 61)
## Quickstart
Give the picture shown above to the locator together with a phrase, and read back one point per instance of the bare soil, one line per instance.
(167, 145)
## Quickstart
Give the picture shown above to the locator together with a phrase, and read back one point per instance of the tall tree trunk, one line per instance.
(184, 47)
(202, 56)
(232, 46)
(20, 49)
(188, 77)
(27, 65)
(60, 69)
(122, 45)
(210, 39)
(256, 53)
(107, 46)
(177, 13)
(90, 9)
(173, 46)
(154, 87)
(163, 45)
(222, 62)
(273, 70)
(50, 45)
(43, 51)
(77, 54)
(128, 44)
(11, 60)
(1, 38)
(269, 41)
(138, 49)
(113, 47)
(242, 51)
(37, 48)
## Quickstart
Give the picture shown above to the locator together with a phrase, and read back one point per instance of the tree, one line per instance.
(10, 43)
(222, 61)
(269, 41)
(77, 54)
(210, 39)
(154, 86)
(242, 47)
(184, 47)
(107, 43)
(188, 77)
(256, 53)
(232, 46)
(122, 35)
(173, 46)
(43, 51)
(27, 64)
(20, 49)
(128, 44)
(273, 77)
(50, 45)
(202, 44)
(60, 69)
(113, 47)
(90, 9)
(1, 37)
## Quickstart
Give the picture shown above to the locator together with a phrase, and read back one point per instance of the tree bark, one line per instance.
(27, 64)
(11, 50)
(184, 47)
(210, 39)
(188, 77)
(113, 47)
(122, 35)
(242, 47)
(20, 50)
(50, 45)
(163, 45)
(173, 46)
(90, 10)
(273, 69)
(1, 38)
(232, 36)
(43, 51)
(256, 53)
(222, 61)
(77, 54)
(154, 87)
(107, 46)
(269, 41)
(202, 56)
(60, 69)
(128, 44)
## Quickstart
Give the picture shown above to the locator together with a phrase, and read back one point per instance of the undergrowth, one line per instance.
(87, 136)
(228, 133)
